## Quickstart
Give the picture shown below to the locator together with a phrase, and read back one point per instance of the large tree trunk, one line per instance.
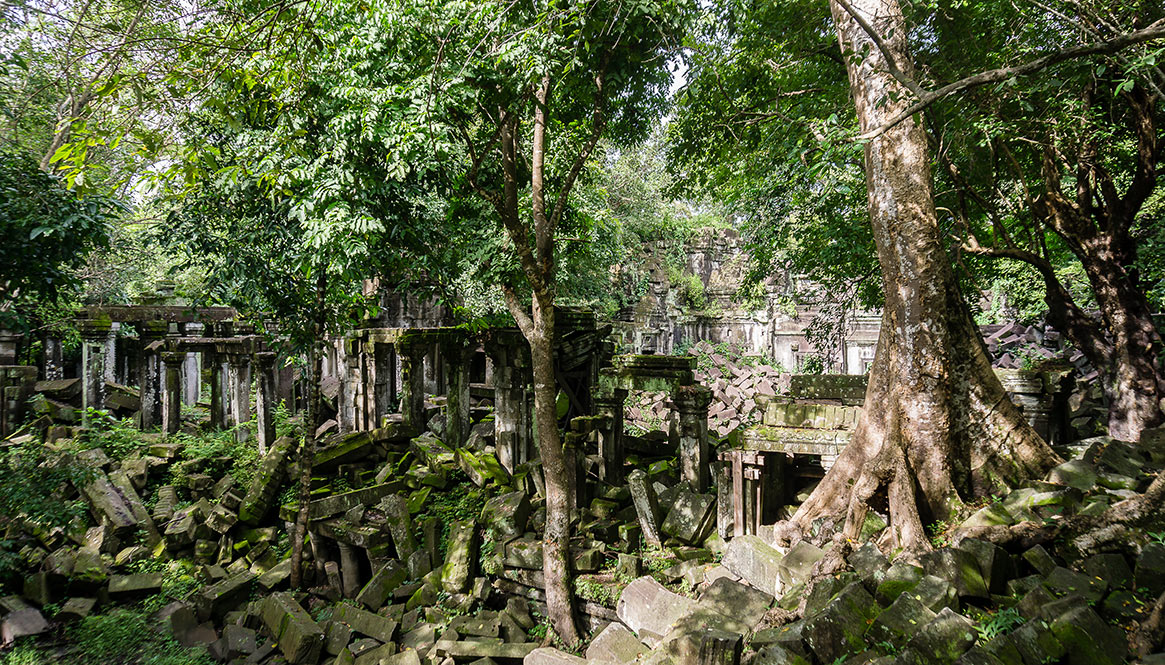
(556, 560)
(1133, 382)
(937, 427)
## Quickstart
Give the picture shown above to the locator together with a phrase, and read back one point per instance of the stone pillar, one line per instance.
(110, 367)
(192, 368)
(610, 436)
(646, 507)
(456, 355)
(93, 335)
(725, 514)
(349, 570)
(574, 457)
(512, 415)
(384, 379)
(150, 335)
(17, 383)
(412, 370)
(239, 393)
(54, 367)
(691, 404)
(265, 401)
(9, 345)
(172, 400)
(347, 370)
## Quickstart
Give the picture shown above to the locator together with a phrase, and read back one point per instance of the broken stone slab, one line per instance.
(995, 563)
(379, 589)
(1149, 572)
(485, 624)
(1112, 568)
(1040, 560)
(706, 646)
(140, 584)
(506, 515)
(646, 503)
(186, 627)
(220, 520)
(22, 623)
(754, 561)
(744, 605)
(1088, 640)
(690, 517)
(899, 577)
(1036, 643)
(121, 480)
(216, 600)
(524, 553)
(943, 640)
(76, 609)
(798, 562)
(960, 568)
(899, 622)
(777, 655)
(1074, 473)
(994, 514)
(300, 639)
(276, 575)
(264, 487)
(615, 644)
(646, 606)
(430, 452)
(339, 503)
(1063, 581)
(400, 524)
(467, 650)
(460, 557)
(349, 448)
(839, 628)
(365, 622)
(870, 564)
(107, 502)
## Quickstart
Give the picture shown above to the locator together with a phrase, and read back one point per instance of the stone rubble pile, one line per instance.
(741, 386)
(391, 580)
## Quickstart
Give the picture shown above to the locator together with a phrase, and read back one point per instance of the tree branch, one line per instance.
(926, 97)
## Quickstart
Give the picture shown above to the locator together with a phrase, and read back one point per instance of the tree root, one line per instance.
(1149, 635)
(1115, 529)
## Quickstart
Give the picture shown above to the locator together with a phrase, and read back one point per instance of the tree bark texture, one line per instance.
(308, 451)
(937, 428)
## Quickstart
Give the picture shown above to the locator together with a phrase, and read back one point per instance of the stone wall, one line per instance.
(665, 321)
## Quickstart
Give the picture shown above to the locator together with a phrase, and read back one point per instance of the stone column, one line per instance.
(512, 416)
(9, 344)
(150, 334)
(384, 378)
(610, 436)
(265, 402)
(573, 455)
(412, 370)
(53, 362)
(16, 387)
(93, 335)
(225, 330)
(691, 404)
(192, 368)
(172, 400)
(456, 355)
(111, 359)
(646, 507)
(240, 393)
(348, 372)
